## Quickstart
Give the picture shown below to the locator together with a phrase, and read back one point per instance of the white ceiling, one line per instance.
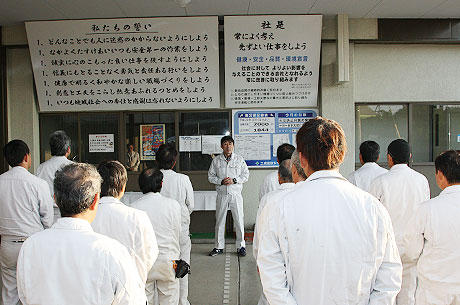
(13, 12)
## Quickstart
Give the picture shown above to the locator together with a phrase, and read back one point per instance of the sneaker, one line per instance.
(241, 251)
(216, 252)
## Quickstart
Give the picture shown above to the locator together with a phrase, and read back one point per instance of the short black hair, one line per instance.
(166, 156)
(370, 151)
(59, 143)
(128, 145)
(226, 139)
(15, 151)
(284, 152)
(150, 180)
(75, 186)
(284, 171)
(114, 178)
(448, 163)
(399, 150)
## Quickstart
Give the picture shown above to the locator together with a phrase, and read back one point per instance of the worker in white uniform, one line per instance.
(178, 187)
(60, 150)
(401, 191)
(433, 237)
(133, 160)
(71, 264)
(228, 172)
(131, 227)
(369, 155)
(165, 215)
(25, 208)
(328, 242)
(271, 183)
(286, 184)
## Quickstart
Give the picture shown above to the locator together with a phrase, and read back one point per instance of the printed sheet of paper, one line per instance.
(211, 144)
(190, 143)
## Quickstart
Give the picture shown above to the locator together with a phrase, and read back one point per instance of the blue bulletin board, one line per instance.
(258, 133)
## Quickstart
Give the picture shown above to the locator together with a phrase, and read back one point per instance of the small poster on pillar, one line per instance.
(125, 64)
(272, 61)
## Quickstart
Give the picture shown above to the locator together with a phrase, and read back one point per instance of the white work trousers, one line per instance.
(162, 287)
(9, 252)
(409, 284)
(235, 203)
(185, 248)
(431, 297)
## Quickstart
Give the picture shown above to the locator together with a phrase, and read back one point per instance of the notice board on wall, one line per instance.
(258, 133)
(125, 64)
(272, 61)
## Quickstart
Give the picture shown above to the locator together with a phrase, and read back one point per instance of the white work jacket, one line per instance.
(270, 184)
(133, 160)
(178, 187)
(132, 228)
(47, 170)
(165, 215)
(25, 204)
(268, 200)
(434, 236)
(363, 176)
(70, 264)
(329, 243)
(401, 191)
(221, 169)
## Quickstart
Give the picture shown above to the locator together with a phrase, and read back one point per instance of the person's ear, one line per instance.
(95, 202)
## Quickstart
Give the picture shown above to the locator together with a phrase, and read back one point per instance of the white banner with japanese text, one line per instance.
(125, 64)
(272, 61)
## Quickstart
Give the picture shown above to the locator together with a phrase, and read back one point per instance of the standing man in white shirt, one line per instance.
(369, 154)
(25, 208)
(433, 237)
(228, 172)
(60, 151)
(133, 159)
(165, 215)
(401, 190)
(283, 152)
(131, 227)
(69, 263)
(328, 242)
(178, 187)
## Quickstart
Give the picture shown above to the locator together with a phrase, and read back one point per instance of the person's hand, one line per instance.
(227, 181)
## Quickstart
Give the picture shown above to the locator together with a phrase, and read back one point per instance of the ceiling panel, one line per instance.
(87, 8)
(355, 8)
(151, 8)
(448, 9)
(258, 7)
(217, 7)
(403, 9)
(14, 12)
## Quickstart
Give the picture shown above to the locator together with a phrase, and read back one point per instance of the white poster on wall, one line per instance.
(272, 61)
(190, 143)
(125, 64)
(210, 144)
(101, 143)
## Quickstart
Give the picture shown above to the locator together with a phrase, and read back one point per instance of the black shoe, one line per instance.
(241, 251)
(216, 252)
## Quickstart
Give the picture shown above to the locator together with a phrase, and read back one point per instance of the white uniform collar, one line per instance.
(399, 167)
(285, 186)
(108, 199)
(19, 168)
(369, 164)
(152, 194)
(72, 224)
(325, 174)
(450, 190)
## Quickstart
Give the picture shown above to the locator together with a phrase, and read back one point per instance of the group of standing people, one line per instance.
(95, 250)
(323, 240)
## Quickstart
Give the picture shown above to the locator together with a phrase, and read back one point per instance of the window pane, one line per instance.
(201, 123)
(49, 123)
(93, 124)
(165, 121)
(382, 124)
(436, 129)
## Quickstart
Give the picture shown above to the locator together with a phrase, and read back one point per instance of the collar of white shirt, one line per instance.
(399, 167)
(152, 194)
(450, 190)
(19, 168)
(285, 186)
(109, 199)
(325, 174)
(70, 223)
(370, 164)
